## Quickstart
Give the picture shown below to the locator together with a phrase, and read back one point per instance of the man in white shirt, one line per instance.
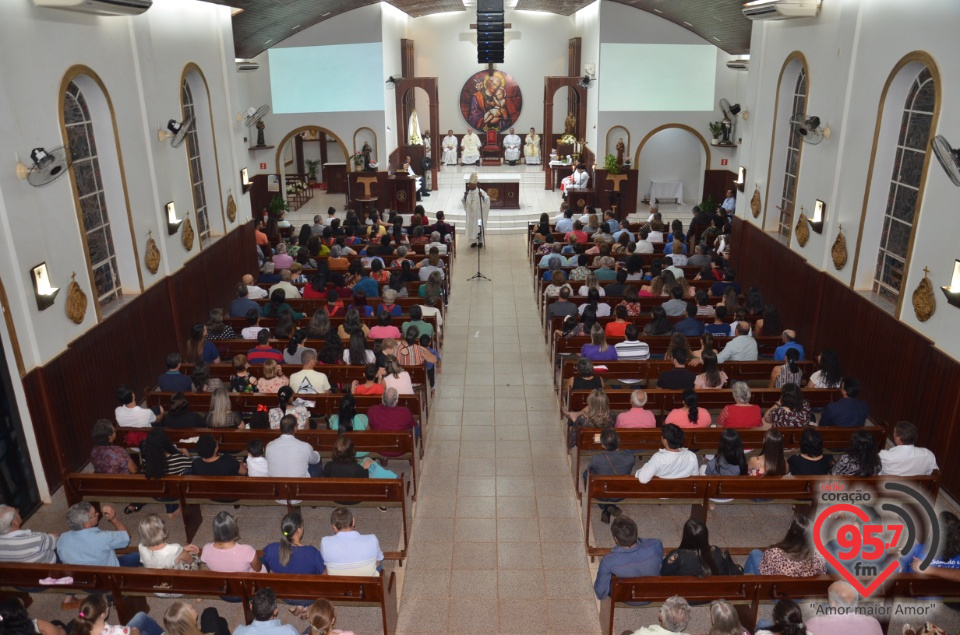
(471, 148)
(288, 289)
(673, 461)
(742, 348)
(289, 457)
(630, 348)
(674, 616)
(349, 552)
(435, 241)
(644, 246)
(729, 203)
(432, 308)
(904, 458)
(511, 148)
(253, 291)
(449, 145)
(23, 545)
(331, 215)
(130, 415)
(309, 381)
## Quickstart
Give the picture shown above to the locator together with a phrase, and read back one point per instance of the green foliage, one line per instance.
(610, 164)
(277, 206)
(312, 167)
(716, 129)
(709, 205)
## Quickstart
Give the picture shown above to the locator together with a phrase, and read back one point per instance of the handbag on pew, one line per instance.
(727, 566)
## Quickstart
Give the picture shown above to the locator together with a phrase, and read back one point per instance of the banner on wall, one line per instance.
(491, 101)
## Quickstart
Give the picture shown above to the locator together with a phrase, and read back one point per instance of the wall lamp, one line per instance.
(819, 211)
(953, 291)
(245, 180)
(741, 178)
(173, 224)
(45, 294)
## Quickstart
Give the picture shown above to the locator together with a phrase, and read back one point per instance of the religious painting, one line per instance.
(491, 101)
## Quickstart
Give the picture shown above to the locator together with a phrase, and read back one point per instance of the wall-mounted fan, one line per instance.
(48, 166)
(810, 131)
(948, 157)
(176, 132)
(392, 81)
(729, 122)
(586, 82)
(253, 115)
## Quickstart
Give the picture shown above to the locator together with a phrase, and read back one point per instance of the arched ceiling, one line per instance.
(264, 23)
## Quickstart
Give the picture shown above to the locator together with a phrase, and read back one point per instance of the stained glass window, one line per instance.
(196, 169)
(792, 167)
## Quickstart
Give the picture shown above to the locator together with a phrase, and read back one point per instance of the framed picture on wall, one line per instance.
(273, 182)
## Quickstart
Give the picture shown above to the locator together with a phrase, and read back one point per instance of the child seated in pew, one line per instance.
(241, 380)
(256, 463)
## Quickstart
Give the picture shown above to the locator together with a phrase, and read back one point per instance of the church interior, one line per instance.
(147, 140)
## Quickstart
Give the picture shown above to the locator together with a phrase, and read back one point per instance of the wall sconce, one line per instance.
(819, 210)
(741, 178)
(245, 180)
(45, 294)
(953, 291)
(173, 224)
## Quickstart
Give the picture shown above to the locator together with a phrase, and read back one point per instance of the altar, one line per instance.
(659, 190)
(503, 188)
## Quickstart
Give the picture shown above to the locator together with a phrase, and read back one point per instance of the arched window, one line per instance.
(794, 146)
(899, 214)
(196, 168)
(92, 197)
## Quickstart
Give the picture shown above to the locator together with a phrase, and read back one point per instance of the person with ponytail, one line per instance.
(789, 373)
(287, 406)
(92, 620)
(695, 556)
(787, 620)
(181, 619)
(289, 555)
(689, 416)
(322, 619)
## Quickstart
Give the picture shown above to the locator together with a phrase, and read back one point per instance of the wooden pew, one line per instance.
(238, 324)
(697, 490)
(130, 587)
(766, 345)
(644, 442)
(661, 401)
(192, 492)
(389, 445)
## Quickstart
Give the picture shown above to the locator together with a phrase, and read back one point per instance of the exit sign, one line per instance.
(722, 162)
(263, 166)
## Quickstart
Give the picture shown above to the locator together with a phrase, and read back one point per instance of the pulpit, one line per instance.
(367, 191)
(617, 192)
(490, 152)
(580, 199)
(403, 193)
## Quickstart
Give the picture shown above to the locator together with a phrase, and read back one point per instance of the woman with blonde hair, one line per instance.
(273, 378)
(181, 619)
(221, 415)
(591, 282)
(596, 415)
(593, 224)
(598, 349)
(322, 619)
(157, 553)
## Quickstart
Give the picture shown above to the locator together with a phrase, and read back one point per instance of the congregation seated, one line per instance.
(770, 461)
(905, 458)
(673, 617)
(671, 461)
(848, 411)
(742, 413)
(226, 553)
(86, 544)
(695, 556)
(811, 460)
(794, 556)
(157, 553)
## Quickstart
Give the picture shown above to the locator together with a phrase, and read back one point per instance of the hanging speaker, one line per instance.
(490, 31)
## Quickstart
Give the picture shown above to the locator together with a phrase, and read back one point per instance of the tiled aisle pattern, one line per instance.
(496, 544)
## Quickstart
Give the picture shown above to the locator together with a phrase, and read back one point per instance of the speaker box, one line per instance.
(489, 6)
(490, 36)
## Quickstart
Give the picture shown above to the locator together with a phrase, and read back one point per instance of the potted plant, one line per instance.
(610, 164)
(357, 160)
(277, 206)
(716, 129)
(312, 167)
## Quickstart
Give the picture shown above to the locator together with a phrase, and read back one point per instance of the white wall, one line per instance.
(851, 49)
(587, 26)
(673, 154)
(140, 61)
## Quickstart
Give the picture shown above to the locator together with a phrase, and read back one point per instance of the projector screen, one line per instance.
(336, 78)
(658, 77)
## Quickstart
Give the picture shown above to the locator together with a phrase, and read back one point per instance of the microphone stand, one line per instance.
(480, 239)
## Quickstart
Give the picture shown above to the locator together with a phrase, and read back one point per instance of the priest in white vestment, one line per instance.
(476, 203)
(449, 146)
(511, 148)
(531, 148)
(471, 148)
(576, 181)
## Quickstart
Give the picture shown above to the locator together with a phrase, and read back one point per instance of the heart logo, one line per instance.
(854, 548)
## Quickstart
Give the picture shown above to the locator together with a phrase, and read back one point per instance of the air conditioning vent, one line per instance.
(245, 66)
(98, 7)
(781, 9)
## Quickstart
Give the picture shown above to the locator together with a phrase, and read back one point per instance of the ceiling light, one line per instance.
(657, 11)
(267, 42)
(688, 24)
(295, 28)
(716, 38)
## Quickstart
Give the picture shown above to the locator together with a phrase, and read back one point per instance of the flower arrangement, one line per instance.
(357, 158)
(568, 139)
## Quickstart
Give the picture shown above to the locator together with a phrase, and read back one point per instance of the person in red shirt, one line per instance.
(371, 386)
(389, 416)
(335, 306)
(618, 327)
(577, 233)
(263, 351)
(742, 414)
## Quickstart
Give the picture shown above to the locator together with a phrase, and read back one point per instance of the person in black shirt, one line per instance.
(677, 378)
(810, 461)
(618, 287)
(212, 463)
(343, 463)
(180, 416)
(695, 556)
(585, 379)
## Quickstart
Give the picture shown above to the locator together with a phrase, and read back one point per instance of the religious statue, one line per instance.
(365, 151)
(620, 150)
(570, 125)
(260, 127)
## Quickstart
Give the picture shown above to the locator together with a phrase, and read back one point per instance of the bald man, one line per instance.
(253, 291)
(840, 618)
(788, 337)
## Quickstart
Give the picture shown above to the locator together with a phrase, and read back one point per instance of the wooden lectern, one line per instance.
(403, 193)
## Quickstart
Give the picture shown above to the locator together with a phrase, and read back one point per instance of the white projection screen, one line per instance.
(657, 77)
(335, 78)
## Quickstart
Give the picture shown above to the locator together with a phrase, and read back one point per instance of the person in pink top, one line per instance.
(690, 416)
(282, 260)
(226, 554)
(384, 328)
(637, 417)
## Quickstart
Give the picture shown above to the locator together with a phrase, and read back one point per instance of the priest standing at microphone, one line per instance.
(476, 203)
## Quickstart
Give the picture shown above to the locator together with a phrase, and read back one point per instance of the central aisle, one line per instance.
(496, 545)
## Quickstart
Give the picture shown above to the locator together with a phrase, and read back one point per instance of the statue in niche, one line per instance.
(620, 150)
(365, 151)
(570, 125)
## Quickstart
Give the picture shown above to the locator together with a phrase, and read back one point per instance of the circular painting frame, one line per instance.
(491, 101)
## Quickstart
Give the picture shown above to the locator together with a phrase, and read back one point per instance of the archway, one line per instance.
(679, 158)
(292, 159)
(550, 87)
(428, 85)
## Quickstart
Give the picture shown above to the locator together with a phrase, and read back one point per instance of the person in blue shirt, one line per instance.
(425, 342)
(86, 544)
(719, 326)
(265, 622)
(690, 325)
(173, 380)
(289, 555)
(848, 412)
(788, 338)
(630, 558)
(367, 284)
